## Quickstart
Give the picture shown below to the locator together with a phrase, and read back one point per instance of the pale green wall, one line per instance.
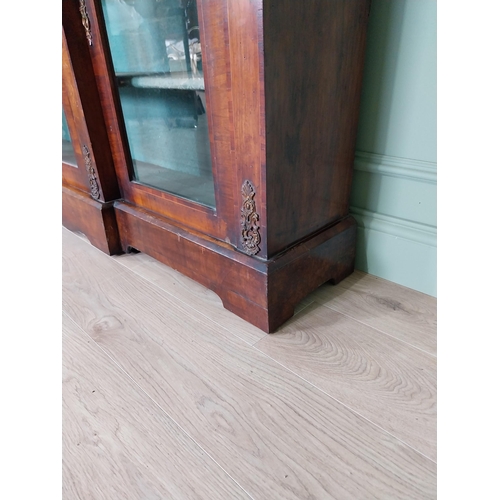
(394, 186)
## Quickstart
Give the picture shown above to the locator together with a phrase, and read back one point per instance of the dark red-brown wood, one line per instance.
(314, 53)
(283, 85)
(85, 104)
(89, 188)
(96, 220)
(263, 293)
(71, 175)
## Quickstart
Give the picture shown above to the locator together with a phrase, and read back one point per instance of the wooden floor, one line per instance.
(166, 395)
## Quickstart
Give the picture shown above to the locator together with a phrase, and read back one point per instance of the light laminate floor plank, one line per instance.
(406, 314)
(274, 433)
(118, 444)
(389, 382)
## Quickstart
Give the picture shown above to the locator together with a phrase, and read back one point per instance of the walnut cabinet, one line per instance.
(218, 137)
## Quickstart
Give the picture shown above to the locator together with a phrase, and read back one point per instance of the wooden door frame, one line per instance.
(88, 191)
(223, 223)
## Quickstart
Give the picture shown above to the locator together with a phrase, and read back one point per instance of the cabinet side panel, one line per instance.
(314, 54)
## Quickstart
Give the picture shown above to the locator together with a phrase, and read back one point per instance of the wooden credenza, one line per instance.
(218, 137)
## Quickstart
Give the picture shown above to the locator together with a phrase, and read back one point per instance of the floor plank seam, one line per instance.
(298, 311)
(103, 280)
(181, 429)
(378, 330)
(345, 405)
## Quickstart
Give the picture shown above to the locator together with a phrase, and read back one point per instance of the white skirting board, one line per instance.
(394, 203)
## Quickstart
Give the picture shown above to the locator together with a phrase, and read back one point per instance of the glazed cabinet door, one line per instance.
(162, 73)
(73, 163)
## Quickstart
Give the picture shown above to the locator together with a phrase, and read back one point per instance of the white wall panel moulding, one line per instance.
(421, 233)
(373, 163)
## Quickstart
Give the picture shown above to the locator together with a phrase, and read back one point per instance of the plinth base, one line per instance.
(262, 292)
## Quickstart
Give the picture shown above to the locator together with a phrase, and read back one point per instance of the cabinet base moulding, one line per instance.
(95, 219)
(262, 292)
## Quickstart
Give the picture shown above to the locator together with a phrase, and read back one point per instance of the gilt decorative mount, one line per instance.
(85, 21)
(94, 187)
(249, 220)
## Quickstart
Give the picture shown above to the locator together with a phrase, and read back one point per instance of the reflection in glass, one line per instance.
(156, 52)
(68, 153)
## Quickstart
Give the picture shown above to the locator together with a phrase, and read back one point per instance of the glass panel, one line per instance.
(156, 52)
(68, 153)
